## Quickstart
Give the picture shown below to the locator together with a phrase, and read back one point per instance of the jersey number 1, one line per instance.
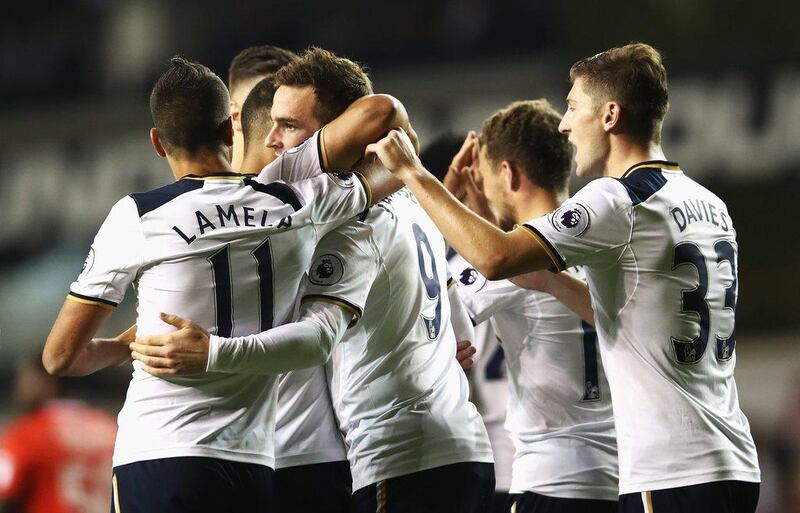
(223, 291)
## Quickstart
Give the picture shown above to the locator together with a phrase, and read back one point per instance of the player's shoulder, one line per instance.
(146, 202)
(286, 167)
(604, 188)
(644, 180)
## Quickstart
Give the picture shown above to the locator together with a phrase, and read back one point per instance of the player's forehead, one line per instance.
(577, 93)
(295, 102)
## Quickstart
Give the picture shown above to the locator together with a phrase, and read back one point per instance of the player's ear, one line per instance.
(513, 175)
(157, 143)
(611, 116)
(236, 116)
(227, 131)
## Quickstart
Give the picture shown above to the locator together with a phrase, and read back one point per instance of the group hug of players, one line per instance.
(300, 332)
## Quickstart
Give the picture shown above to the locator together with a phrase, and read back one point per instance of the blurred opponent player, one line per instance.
(56, 457)
(559, 410)
(247, 69)
(206, 246)
(660, 254)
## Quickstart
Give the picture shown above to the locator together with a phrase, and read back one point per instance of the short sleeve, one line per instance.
(114, 259)
(344, 267)
(306, 160)
(592, 228)
(333, 199)
(481, 297)
(14, 465)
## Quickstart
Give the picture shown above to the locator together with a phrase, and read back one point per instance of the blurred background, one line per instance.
(75, 76)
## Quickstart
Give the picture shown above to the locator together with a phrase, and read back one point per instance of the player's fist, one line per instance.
(396, 152)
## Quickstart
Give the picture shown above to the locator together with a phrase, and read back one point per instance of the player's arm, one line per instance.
(71, 350)
(494, 253)
(339, 281)
(462, 326)
(112, 265)
(569, 289)
(343, 141)
(191, 350)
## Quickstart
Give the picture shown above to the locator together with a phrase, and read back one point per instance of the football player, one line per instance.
(205, 246)
(559, 409)
(660, 255)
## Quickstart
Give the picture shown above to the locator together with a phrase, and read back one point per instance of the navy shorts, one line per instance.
(530, 502)
(317, 488)
(716, 497)
(192, 485)
(457, 488)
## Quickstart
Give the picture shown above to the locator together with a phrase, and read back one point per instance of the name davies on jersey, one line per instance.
(695, 211)
(234, 215)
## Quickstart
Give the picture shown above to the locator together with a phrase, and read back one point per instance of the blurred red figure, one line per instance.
(55, 457)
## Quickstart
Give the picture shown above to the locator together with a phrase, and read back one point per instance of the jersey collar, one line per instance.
(658, 164)
(224, 175)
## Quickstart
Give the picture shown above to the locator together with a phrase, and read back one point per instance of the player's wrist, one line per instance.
(215, 344)
(412, 172)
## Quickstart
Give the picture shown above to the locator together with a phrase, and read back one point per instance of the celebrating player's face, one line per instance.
(293, 117)
(583, 123)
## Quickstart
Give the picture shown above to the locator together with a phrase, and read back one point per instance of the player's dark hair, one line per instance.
(634, 76)
(437, 156)
(526, 133)
(189, 105)
(337, 81)
(256, 120)
(257, 61)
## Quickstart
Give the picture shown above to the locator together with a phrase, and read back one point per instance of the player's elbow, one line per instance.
(56, 361)
(383, 112)
(494, 267)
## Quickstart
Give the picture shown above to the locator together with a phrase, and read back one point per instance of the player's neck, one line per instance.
(252, 164)
(200, 164)
(536, 202)
(625, 154)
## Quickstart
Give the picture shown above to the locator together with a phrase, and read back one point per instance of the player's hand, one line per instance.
(537, 280)
(454, 179)
(181, 353)
(397, 153)
(464, 353)
(414, 138)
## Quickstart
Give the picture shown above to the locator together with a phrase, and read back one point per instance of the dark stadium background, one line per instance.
(74, 79)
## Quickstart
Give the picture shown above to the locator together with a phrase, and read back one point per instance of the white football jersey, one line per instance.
(660, 254)
(229, 253)
(559, 409)
(399, 394)
(488, 381)
(306, 430)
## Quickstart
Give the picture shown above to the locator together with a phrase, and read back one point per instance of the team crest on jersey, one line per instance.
(472, 279)
(572, 219)
(326, 270)
(88, 263)
(343, 180)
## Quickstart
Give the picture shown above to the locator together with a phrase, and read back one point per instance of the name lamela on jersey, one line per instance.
(696, 210)
(231, 215)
